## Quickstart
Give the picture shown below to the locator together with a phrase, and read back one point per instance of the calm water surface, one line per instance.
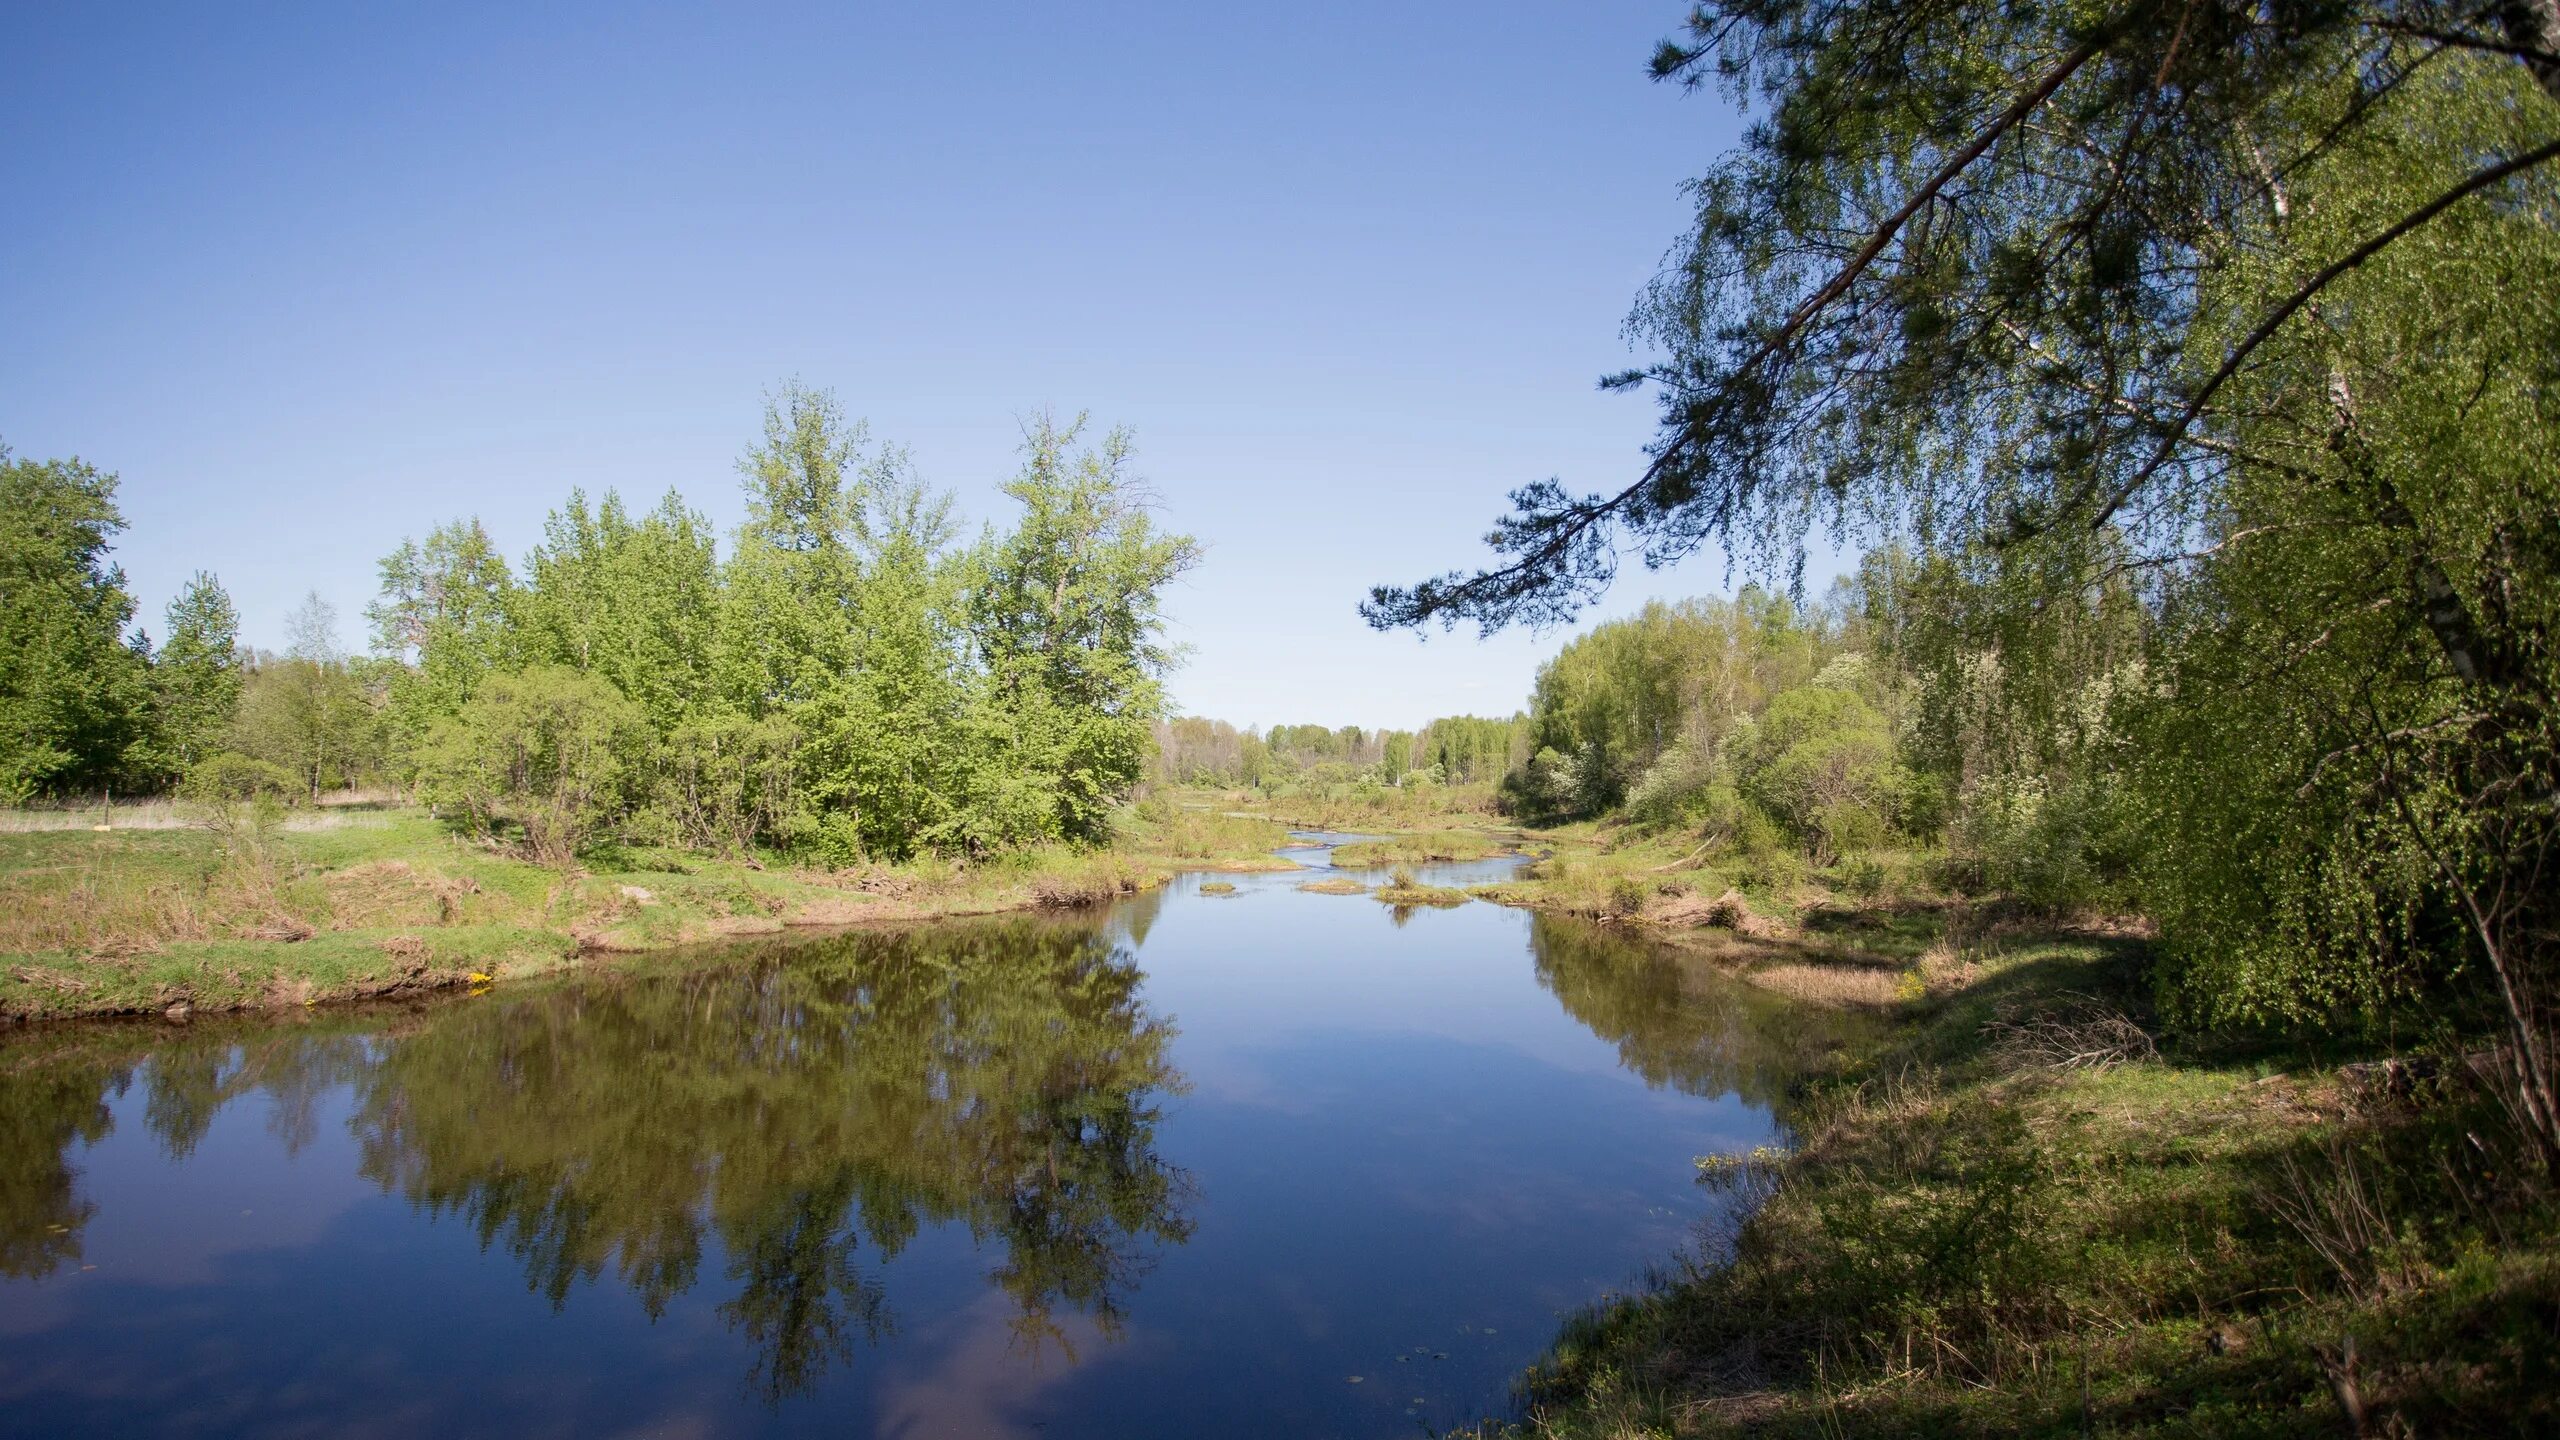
(1269, 1164)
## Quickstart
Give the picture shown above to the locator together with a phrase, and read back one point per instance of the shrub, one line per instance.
(1821, 762)
(229, 777)
(1863, 878)
(725, 781)
(2058, 846)
(547, 750)
(241, 800)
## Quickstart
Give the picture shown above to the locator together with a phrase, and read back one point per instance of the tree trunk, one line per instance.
(2533, 26)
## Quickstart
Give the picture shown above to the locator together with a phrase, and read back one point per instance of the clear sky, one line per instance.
(315, 278)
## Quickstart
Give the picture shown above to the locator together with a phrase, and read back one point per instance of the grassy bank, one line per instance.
(1843, 934)
(2030, 1211)
(1420, 847)
(356, 902)
(1402, 889)
(1367, 808)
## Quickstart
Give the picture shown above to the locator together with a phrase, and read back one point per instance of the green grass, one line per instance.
(1202, 835)
(380, 901)
(1974, 1236)
(1368, 807)
(1422, 848)
(239, 974)
(1403, 889)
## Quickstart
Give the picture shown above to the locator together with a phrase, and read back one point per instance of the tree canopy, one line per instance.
(71, 685)
(2203, 357)
(851, 680)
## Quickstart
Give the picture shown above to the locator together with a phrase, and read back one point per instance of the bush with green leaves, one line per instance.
(1821, 761)
(546, 757)
(2060, 844)
(229, 777)
(724, 783)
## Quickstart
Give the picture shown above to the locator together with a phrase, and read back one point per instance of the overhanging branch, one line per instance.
(2310, 289)
(1571, 525)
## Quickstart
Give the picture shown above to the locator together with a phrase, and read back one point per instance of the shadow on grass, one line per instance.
(1968, 1244)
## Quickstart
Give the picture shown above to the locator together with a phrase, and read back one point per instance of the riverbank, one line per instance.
(2035, 1209)
(360, 902)
(1852, 934)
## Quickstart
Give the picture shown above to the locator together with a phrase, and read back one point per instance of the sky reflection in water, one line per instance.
(1187, 1168)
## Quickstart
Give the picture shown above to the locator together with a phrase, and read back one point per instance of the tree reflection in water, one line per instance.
(812, 1108)
(1676, 1020)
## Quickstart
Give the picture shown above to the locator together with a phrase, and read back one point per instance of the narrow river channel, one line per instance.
(1268, 1163)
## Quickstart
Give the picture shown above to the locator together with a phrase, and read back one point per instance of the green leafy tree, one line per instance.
(1070, 617)
(2247, 306)
(308, 712)
(1614, 703)
(727, 781)
(1966, 278)
(849, 683)
(546, 754)
(1397, 755)
(444, 618)
(1194, 750)
(1470, 748)
(632, 601)
(785, 620)
(1821, 760)
(196, 678)
(840, 613)
(2358, 691)
(889, 751)
(71, 687)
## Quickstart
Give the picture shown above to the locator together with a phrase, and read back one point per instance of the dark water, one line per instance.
(1187, 1168)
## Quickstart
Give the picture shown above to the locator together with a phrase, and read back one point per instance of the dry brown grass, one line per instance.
(334, 811)
(1836, 984)
(1402, 889)
(119, 815)
(1103, 878)
(2069, 1032)
(96, 909)
(1954, 961)
(381, 893)
(1728, 911)
(1333, 887)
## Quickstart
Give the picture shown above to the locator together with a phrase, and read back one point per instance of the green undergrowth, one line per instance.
(1422, 848)
(1363, 807)
(2024, 1214)
(1621, 872)
(104, 922)
(1203, 834)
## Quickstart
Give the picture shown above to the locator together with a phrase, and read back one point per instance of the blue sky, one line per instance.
(313, 279)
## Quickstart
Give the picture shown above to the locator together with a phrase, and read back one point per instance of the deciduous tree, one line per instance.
(71, 686)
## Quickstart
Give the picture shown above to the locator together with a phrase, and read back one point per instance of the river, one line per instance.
(1267, 1163)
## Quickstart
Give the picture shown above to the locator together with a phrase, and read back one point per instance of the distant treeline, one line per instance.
(1771, 728)
(1454, 750)
(850, 679)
